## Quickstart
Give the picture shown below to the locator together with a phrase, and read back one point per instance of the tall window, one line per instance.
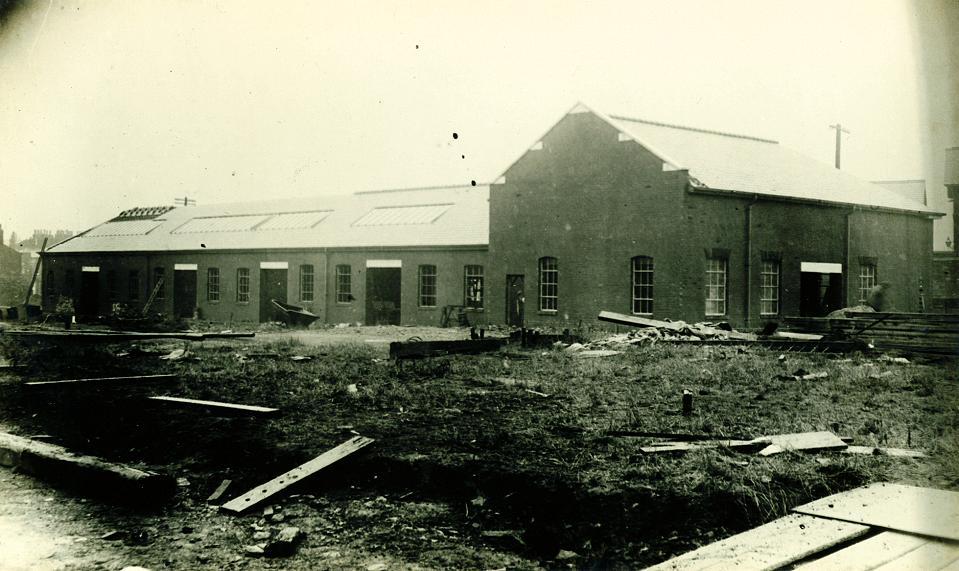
(427, 279)
(112, 285)
(548, 284)
(643, 285)
(158, 281)
(243, 285)
(213, 284)
(49, 288)
(68, 283)
(473, 286)
(769, 289)
(306, 282)
(716, 286)
(344, 284)
(867, 279)
(133, 285)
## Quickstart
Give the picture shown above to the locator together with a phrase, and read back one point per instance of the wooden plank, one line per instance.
(876, 451)
(283, 481)
(96, 380)
(120, 336)
(741, 445)
(910, 509)
(219, 491)
(802, 441)
(932, 556)
(419, 349)
(216, 406)
(770, 546)
(869, 553)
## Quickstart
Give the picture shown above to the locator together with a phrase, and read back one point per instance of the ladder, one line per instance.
(156, 290)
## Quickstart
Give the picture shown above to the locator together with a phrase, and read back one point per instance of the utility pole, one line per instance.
(839, 132)
(186, 201)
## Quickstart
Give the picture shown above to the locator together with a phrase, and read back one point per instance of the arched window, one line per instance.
(642, 285)
(548, 284)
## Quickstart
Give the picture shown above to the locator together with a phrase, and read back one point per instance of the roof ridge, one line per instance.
(414, 188)
(695, 129)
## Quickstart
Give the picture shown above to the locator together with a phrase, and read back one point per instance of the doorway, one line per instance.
(820, 289)
(89, 298)
(272, 286)
(383, 296)
(515, 300)
(184, 293)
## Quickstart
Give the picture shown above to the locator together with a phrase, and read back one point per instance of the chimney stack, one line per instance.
(1, 236)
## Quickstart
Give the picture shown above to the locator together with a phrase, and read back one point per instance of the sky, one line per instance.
(110, 104)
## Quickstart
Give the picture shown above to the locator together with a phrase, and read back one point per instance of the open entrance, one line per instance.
(272, 286)
(820, 289)
(184, 291)
(515, 300)
(89, 298)
(383, 294)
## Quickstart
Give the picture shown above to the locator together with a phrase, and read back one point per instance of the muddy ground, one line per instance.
(500, 460)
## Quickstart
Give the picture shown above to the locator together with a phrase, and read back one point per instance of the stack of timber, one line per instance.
(916, 332)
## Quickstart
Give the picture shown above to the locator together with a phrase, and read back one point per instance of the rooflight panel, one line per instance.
(123, 228)
(294, 220)
(221, 224)
(403, 215)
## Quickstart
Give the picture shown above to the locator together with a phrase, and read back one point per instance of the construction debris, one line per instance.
(875, 451)
(117, 336)
(219, 491)
(280, 483)
(655, 329)
(421, 349)
(101, 380)
(285, 542)
(765, 445)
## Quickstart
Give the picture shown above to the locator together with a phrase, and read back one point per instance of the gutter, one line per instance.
(749, 258)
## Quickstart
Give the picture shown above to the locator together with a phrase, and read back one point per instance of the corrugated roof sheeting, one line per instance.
(911, 189)
(464, 222)
(123, 228)
(745, 164)
(294, 220)
(402, 215)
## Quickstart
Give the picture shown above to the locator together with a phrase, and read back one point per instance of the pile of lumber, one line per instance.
(918, 332)
(653, 329)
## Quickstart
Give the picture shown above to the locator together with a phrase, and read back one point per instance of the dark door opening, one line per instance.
(819, 294)
(184, 293)
(272, 286)
(383, 296)
(515, 300)
(89, 295)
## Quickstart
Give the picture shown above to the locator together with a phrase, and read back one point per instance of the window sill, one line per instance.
(548, 312)
(476, 309)
(213, 301)
(344, 303)
(642, 314)
(426, 307)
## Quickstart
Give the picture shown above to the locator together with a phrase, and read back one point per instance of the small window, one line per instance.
(769, 289)
(716, 286)
(133, 285)
(427, 281)
(112, 285)
(643, 285)
(344, 284)
(213, 284)
(158, 284)
(243, 285)
(473, 287)
(306, 282)
(548, 284)
(867, 279)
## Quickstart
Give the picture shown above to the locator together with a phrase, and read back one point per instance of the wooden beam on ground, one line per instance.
(280, 483)
(869, 553)
(101, 380)
(119, 336)
(877, 451)
(420, 349)
(924, 511)
(57, 464)
(219, 407)
(771, 546)
(801, 441)
(673, 436)
(219, 491)
(740, 445)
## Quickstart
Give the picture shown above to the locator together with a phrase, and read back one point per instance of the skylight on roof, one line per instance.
(294, 220)
(403, 215)
(123, 228)
(221, 224)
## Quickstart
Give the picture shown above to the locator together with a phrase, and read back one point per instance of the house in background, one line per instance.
(945, 284)
(385, 257)
(602, 213)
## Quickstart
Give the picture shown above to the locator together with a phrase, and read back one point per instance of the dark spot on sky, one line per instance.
(202, 245)
(472, 183)
(462, 156)
(456, 136)
(417, 46)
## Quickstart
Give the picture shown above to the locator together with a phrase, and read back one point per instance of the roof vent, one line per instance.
(143, 212)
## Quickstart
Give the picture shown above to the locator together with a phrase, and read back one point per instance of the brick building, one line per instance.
(375, 258)
(602, 213)
(632, 216)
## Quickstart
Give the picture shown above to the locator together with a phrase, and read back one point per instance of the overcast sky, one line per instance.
(109, 104)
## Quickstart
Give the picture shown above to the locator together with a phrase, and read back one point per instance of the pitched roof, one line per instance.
(436, 216)
(740, 163)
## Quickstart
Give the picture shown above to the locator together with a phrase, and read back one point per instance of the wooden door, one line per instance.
(515, 300)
